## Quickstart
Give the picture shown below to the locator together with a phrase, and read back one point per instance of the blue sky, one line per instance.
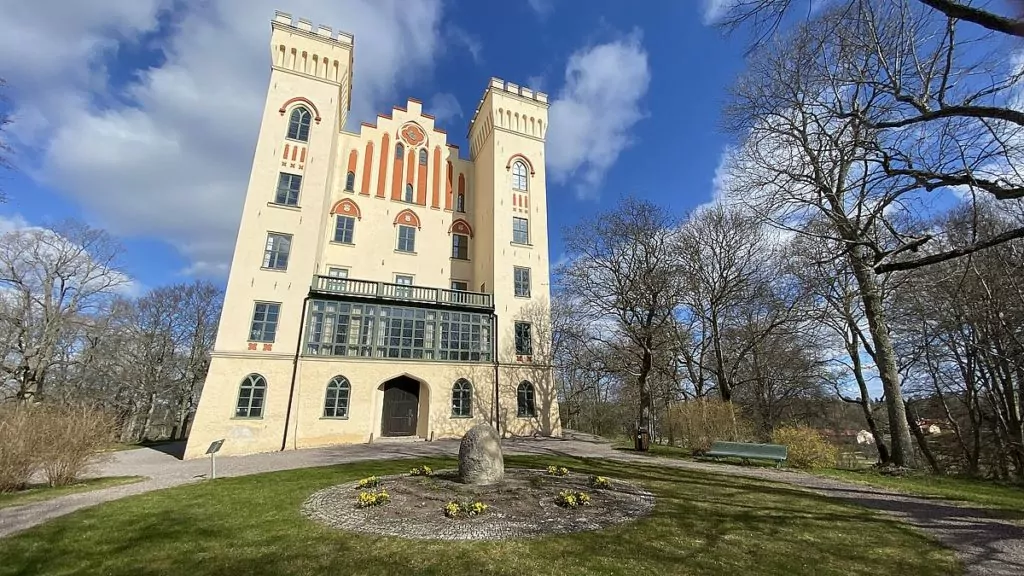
(140, 116)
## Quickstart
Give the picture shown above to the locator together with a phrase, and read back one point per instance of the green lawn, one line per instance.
(43, 492)
(1007, 499)
(702, 524)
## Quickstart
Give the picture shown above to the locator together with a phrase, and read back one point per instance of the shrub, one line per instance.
(60, 441)
(599, 482)
(699, 423)
(572, 499)
(371, 482)
(558, 471)
(807, 447)
(421, 471)
(73, 437)
(19, 448)
(368, 498)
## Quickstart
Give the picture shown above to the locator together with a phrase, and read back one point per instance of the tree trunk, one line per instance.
(922, 442)
(885, 359)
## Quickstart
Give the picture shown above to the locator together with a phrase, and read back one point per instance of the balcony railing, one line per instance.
(400, 292)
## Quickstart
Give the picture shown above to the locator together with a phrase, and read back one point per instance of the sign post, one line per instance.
(212, 451)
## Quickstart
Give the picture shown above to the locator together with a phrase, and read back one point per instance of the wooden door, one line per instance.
(401, 407)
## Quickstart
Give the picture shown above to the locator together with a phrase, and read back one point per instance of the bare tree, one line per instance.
(624, 276)
(52, 280)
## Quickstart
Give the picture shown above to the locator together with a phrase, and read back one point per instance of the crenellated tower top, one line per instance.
(322, 32)
(509, 107)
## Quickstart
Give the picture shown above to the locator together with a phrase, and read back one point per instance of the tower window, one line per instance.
(519, 181)
(460, 246)
(399, 151)
(520, 230)
(298, 124)
(522, 282)
(275, 254)
(344, 229)
(406, 239)
(524, 339)
(423, 157)
(288, 189)
(350, 181)
(264, 322)
(250, 397)
(408, 193)
(460, 203)
(525, 405)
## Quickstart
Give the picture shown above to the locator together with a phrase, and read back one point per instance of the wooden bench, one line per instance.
(748, 452)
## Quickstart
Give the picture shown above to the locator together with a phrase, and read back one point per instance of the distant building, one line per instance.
(382, 285)
(865, 437)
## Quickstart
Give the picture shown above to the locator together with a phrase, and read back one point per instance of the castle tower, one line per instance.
(380, 280)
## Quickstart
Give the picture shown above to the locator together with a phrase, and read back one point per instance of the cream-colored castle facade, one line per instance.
(383, 285)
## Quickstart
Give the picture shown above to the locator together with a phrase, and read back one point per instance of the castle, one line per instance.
(382, 286)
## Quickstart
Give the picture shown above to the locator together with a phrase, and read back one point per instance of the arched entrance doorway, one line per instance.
(401, 407)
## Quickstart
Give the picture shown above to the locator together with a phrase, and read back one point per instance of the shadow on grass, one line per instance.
(702, 524)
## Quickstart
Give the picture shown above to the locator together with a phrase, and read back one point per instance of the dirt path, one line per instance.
(987, 545)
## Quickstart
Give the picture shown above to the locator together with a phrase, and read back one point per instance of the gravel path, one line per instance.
(986, 545)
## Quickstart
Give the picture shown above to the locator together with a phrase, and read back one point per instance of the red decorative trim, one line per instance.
(268, 347)
(460, 226)
(431, 116)
(512, 158)
(441, 131)
(348, 207)
(316, 113)
(252, 345)
(416, 100)
(367, 124)
(407, 217)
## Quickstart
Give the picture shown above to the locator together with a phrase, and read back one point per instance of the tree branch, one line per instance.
(951, 254)
(978, 16)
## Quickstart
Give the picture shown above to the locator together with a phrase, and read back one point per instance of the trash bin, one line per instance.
(643, 440)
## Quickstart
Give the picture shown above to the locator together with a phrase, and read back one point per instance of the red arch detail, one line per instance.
(304, 100)
(348, 207)
(514, 157)
(400, 218)
(460, 226)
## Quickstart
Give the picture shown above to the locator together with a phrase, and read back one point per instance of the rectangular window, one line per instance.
(371, 331)
(406, 239)
(522, 282)
(520, 230)
(337, 285)
(288, 189)
(403, 280)
(524, 339)
(460, 285)
(344, 229)
(460, 246)
(275, 255)
(264, 322)
(460, 203)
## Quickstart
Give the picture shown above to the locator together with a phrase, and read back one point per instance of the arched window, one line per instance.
(460, 203)
(251, 395)
(350, 181)
(399, 151)
(423, 157)
(519, 181)
(462, 399)
(408, 193)
(336, 401)
(298, 124)
(525, 407)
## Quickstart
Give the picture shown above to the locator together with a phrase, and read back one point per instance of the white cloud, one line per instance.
(444, 107)
(470, 42)
(591, 119)
(536, 83)
(713, 10)
(169, 155)
(542, 7)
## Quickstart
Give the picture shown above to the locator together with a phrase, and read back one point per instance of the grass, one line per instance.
(702, 524)
(43, 492)
(1005, 498)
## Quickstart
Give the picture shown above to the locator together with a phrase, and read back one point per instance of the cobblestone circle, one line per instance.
(521, 506)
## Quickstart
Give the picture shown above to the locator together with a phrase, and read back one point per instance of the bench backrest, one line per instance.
(753, 450)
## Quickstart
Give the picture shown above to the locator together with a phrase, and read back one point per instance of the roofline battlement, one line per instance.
(526, 92)
(302, 25)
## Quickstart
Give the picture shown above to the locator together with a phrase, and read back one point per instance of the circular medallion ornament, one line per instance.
(412, 134)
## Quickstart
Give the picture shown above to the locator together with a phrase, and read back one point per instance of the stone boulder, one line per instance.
(480, 460)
